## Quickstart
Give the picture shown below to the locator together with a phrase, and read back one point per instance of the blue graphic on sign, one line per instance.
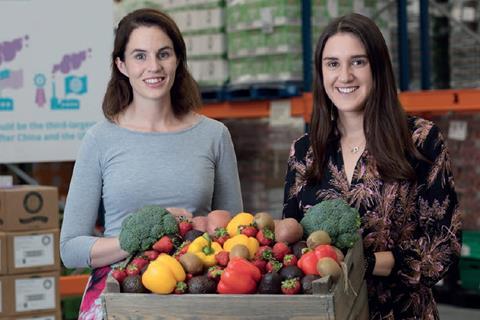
(63, 104)
(6, 104)
(77, 85)
(4, 74)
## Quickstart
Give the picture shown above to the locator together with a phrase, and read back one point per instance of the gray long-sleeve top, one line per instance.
(195, 169)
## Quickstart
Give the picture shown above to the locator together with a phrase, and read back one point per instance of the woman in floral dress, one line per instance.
(393, 168)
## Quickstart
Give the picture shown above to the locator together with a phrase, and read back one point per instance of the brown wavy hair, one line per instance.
(184, 93)
(388, 137)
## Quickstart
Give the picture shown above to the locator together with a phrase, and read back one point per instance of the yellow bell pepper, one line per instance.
(206, 249)
(240, 219)
(250, 242)
(162, 274)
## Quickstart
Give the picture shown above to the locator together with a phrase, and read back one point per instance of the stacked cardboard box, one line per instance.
(324, 11)
(202, 23)
(264, 41)
(29, 244)
(464, 47)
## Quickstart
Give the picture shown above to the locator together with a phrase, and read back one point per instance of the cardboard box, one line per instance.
(29, 294)
(3, 253)
(53, 315)
(32, 251)
(28, 208)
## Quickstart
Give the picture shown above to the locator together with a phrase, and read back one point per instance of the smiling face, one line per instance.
(347, 76)
(150, 64)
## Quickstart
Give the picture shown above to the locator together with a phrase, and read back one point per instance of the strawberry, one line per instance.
(274, 265)
(291, 286)
(151, 254)
(222, 258)
(181, 250)
(290, 260)
(279, 250)
(264, 253)
(181, 288)
(265, 237)
(184, 225)
(132, 270)
(140, 262)
(249, 231)
(119, 274)
(260, 264)
(164, 245)
(221, 235)
(214, 272)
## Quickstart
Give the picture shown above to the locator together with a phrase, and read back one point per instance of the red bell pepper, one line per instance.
(308, 261)
(239, 277)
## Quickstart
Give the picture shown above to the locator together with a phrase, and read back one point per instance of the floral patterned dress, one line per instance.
(91, 306)
(418, 221)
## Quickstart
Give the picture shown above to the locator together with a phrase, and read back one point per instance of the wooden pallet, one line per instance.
(344, 300)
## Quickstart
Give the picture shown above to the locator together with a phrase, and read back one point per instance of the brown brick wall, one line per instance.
(465, 156)
(262, 152)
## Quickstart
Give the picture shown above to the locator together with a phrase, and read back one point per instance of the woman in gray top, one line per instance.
(153, 148)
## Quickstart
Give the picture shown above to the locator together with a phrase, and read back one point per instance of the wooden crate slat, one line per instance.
(333, 302)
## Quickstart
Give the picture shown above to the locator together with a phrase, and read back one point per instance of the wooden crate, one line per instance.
(329, 301)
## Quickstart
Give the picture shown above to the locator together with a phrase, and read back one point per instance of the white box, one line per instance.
(206, 44)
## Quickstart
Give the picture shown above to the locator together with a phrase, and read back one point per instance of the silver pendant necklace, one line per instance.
(355, 149)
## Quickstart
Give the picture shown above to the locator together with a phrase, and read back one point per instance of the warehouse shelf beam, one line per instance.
(440, 101)
(403, 50)
(73, 285)
(425, 45)
(436, 101)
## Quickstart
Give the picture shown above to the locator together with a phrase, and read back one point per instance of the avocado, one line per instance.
(297, 248)
(202, 284)
(192, 235)
(291, 272)
(133, 284)
(270, 283)
(307, 283)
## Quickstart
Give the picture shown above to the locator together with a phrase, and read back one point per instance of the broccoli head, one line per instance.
(144, 227)
(335, 217)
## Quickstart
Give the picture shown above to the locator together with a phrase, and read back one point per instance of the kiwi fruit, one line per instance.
(239, 250)
(191, 263)
(328, 267)
(317, 238)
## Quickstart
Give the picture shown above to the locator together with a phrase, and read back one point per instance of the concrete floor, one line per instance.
(448, 312)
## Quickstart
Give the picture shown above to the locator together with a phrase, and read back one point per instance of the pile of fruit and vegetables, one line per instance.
(240, 254)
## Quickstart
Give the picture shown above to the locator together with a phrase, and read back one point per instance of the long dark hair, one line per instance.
(185, 94)
(389, 139)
